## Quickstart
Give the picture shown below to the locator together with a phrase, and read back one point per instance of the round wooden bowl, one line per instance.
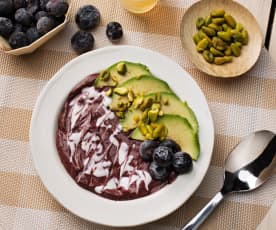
(250, 52)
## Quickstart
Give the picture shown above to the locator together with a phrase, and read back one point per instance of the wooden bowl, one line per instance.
(250, 52)
(5, 47)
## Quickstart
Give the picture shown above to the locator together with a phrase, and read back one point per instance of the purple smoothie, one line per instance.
(98, 155)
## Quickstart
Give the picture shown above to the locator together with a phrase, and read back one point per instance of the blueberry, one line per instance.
(157, 172)
(45, 24)
(17, 4)
(18, 28)
(88, 17)
(6, 27)
(182, 162)
(6, 8)
(40, 14)
(146, 149)
(43, 4)
(171, 144)
(57, 8)
(18, 40)
(114, 31)
(82, 41)
(59, 20)
(32, 34)
(23, 17)
(163, 156)
(33, 6)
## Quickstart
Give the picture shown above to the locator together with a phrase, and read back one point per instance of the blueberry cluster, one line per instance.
(164, 157)
(24, 21)
(88, 17)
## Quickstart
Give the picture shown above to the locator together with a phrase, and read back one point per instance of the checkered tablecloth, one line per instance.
(238, 106)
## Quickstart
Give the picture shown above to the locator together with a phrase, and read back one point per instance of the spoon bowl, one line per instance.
(247, 167)
(250, 163)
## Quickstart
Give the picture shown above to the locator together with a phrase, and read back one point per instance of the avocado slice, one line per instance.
(180, 131)
(132, 70)
(173, 106)
(139, 85)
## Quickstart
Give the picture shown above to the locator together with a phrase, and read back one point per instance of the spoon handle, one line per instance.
(204, 213)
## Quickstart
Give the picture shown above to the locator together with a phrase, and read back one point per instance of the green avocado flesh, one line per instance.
(183, 134)
(132, 70)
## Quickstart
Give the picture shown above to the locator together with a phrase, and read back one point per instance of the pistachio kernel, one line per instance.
(154, 125)
(136, 119)
(121, 68)
(153, 115)
(200, 22)
(165, 101)
(137, 102)
(155, 106)
(145, 117)
(149, 136)
(146, 104)
(114, 78)
(104, 75)
(114, 83)
(130, 95)
(142, 129)
(149, 129)
(158, 131)
(119, 114)
(108, 92)
(122, 91)
(218, 13)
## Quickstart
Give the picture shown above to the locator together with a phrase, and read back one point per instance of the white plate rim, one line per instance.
(105, 212)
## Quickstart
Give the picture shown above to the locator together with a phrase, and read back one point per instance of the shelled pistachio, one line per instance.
(219, 37)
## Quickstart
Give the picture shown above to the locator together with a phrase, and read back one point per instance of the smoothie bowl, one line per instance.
(118, 129)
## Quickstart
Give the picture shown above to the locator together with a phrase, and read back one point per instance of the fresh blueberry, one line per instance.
(57, 8)
(88, 17)
(23, 17)
(6, 27)
(146, 149)
(33, 6)
(40, 14)
(45, 24)
(17, 4)
(6, 8)
(43, 4)
(18, 28)
(32, 34)
(59, 20)
(82, 42)
(182, 162)
(18, 40)
(163, 156)
(157, 172)
(114, 31)
(171, 144)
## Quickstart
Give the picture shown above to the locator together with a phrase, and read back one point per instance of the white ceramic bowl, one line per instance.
(84, 203)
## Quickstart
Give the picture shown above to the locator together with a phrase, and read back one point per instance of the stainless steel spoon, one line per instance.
(247, 167)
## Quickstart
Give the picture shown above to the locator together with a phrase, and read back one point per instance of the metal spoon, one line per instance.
(247, 167)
